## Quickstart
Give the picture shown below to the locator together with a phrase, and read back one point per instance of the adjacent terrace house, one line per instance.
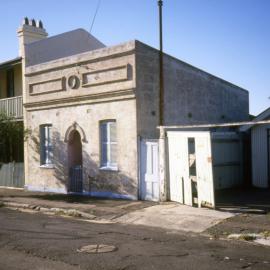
(93, 112)
(11, 152)
(11, 104)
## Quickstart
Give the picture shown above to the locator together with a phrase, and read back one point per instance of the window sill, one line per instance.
(113, 169)
(47, 166)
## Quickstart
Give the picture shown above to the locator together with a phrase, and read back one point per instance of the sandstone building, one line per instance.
(90, 106)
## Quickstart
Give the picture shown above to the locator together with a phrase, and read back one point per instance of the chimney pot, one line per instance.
(33, 22)
(30, 31)
(40, 24)
(25, 21)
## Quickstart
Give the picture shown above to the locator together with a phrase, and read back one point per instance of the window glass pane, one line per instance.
(50, 157)
(50, 148)
(46, 151)
(108, 138)
(42, 144)
(113, 131)
(49, 138)
(103, 131)
(113, 154)
(104, 151)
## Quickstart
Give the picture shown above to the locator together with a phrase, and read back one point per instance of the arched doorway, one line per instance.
(75, 162)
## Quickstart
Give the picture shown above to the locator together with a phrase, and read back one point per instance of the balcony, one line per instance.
(12, 107)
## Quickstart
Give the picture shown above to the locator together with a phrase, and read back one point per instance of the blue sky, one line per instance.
(228, 38)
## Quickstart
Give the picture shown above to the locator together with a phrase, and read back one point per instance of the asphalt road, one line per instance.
(37, 241)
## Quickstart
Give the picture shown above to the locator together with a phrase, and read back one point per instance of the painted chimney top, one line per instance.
(40, 24)
(25, 21)
(32, 22)
(30, 31)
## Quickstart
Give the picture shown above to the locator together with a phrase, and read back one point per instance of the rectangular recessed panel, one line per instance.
(46, 87)
(115, 74)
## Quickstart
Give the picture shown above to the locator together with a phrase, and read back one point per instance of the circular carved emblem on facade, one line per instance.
(73, 82)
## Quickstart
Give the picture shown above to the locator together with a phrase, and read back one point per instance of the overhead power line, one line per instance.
(94, 18)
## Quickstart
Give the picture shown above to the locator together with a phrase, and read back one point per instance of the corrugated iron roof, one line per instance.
(260, 117)
(11, 62)
(59, 46)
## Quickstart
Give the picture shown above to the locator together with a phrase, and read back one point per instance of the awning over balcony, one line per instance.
(10, 63)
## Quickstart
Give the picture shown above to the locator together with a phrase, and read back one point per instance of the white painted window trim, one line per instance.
(47, 166)
(107, 166)
(46, 154)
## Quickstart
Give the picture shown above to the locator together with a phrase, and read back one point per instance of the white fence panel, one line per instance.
(205, 182)
(179, 182)
(227, 160)
(12, 174)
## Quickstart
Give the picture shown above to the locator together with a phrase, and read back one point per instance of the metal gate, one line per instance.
(12, 174)
(76, 179)
(149, 172)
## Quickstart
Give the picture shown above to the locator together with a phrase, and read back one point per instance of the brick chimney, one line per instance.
(30, 31)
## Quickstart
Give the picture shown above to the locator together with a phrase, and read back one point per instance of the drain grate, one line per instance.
(97, 248)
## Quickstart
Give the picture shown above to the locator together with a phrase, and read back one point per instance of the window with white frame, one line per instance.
(108, 138)
(46, 153)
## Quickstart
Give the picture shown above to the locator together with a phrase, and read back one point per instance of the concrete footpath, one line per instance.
(170, 216)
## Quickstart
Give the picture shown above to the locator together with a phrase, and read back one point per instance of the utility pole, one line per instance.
(161, 81)
(162, 132)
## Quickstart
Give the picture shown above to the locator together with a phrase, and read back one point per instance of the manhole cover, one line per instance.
(97, 248)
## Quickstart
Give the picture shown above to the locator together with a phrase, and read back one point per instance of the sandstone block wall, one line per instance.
(192, 96)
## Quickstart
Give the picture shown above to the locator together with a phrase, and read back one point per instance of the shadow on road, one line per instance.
(256, 201)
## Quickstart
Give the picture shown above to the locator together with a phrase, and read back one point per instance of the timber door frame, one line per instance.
(141, 166)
